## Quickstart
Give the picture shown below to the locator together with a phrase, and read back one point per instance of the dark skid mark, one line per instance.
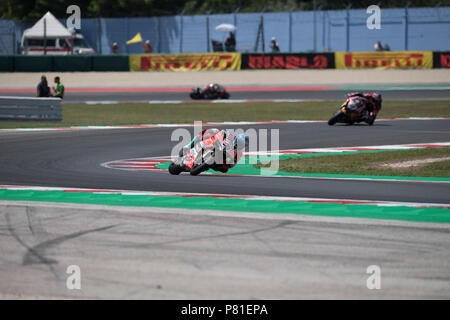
(42, 259)
(36, 253)
(279, 225)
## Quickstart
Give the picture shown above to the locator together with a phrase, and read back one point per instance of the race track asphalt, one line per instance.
(163, 253)
(72, 97)
(74, 158)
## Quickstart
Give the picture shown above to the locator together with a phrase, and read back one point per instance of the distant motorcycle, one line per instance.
(354, 110)
(210, 92)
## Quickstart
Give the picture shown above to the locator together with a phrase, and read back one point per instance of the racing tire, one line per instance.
(334, 119)
(225, 95)
(194, 96)
(175, 169)
(199, 169)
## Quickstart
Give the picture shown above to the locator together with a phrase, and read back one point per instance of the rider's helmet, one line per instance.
(241, 140)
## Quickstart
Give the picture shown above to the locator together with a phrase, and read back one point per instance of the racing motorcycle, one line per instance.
(199, 158)
(211, 92)
(354, 110)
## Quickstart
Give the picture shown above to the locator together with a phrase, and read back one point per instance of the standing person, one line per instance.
(42, 88)
(274, 45)
(59, 89)
(147, 47)
(115, 48)
(378, 46)
(230, 43)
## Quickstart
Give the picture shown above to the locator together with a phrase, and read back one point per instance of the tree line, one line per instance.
(34, 9)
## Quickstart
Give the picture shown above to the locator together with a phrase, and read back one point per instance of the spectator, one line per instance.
(386, 47)
(115, 48)
(42, 88)
(147, 47)
(59, 90)
(274, 45)
(378, 46)
(230, 43)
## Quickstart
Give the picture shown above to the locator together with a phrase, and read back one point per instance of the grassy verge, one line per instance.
(120, 114)
(370, 163)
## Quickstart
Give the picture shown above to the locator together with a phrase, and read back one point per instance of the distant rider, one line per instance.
(212, 90)
(373, 105)
(237, 145)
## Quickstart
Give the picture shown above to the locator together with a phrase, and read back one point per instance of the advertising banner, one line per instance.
(441, 59)
(288, 61)
(384, 60)
(184, 62)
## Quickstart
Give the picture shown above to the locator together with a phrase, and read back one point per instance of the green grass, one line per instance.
(368, 163)
(121, 114)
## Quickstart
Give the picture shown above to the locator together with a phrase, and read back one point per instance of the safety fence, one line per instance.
(419, 29)
(20, 108)
(227, 61)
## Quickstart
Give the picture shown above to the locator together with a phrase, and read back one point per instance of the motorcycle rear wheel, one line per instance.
(199, 169)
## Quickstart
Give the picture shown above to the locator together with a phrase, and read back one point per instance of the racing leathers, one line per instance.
(234, 146)
(373, 105)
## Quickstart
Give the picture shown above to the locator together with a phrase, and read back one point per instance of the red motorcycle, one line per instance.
(210, 92)
(201, 157)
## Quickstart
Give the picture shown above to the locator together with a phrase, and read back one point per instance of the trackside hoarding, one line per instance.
(185, 62)
(441, 59)
(227, 61)
(384, 60)
(288, 61)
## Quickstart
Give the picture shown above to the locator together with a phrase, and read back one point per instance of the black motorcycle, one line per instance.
(211, 92)
(354, 110)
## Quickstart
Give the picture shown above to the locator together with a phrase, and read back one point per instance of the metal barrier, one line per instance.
(37, 109)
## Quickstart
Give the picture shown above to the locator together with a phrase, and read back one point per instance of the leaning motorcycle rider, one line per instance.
(212, 89)
(232, 153)
(373, 105)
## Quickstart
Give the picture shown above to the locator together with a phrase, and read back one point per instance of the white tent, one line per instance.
(55, 29)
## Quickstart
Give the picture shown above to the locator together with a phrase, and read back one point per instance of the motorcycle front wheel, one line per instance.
(175, 169)
(334, 119)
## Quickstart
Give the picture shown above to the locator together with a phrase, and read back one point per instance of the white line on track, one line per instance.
(208, 124)
(228, 196)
